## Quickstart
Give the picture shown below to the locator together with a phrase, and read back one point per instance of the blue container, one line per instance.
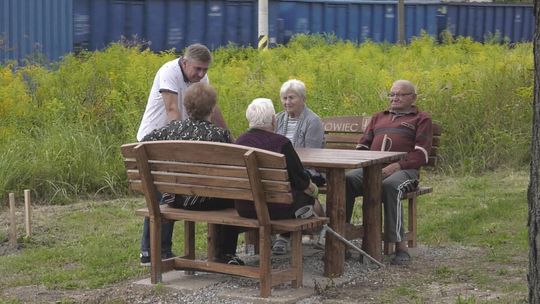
(167, 24)
(356, 21)
(30, 27)
(57, 27)
(514, 23)
(164, 25)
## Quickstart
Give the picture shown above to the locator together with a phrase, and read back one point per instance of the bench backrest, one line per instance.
(207, 169)
(343, 132)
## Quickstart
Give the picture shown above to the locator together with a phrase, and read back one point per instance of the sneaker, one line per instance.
(279, 247)
(401, 258)
(229, 259)
(145, 257)
(321, 242)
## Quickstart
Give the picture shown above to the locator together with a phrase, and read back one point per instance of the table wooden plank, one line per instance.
(346, 159)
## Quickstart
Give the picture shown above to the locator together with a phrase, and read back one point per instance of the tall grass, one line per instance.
(61, 128)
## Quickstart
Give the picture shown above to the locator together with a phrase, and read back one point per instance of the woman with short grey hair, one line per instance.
(260, 114)
(299, 123)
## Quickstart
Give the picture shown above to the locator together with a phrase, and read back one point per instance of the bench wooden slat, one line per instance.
(278, 276)
(206, 169)
(342, 139)
(197, 151)
(210, 180)
(229, 193)
(230, 217)
(346, 124)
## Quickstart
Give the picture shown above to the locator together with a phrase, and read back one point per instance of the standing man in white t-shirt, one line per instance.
(166, 103)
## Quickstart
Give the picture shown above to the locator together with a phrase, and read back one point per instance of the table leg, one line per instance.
(371, 211)
(334, 255)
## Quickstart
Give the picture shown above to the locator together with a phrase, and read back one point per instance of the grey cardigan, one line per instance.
(309, 132)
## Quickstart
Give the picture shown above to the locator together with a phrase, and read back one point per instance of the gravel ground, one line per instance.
(130, 292)
(420, 282)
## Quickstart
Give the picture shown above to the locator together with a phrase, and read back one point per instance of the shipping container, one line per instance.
(29, 28)
(356, 21)
(166, 24)
(512, 22)
(57, 27)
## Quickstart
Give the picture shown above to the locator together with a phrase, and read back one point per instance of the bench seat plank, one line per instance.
(230, 217)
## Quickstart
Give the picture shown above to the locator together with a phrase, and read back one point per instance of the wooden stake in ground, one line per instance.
(27, 213)
(12, 221)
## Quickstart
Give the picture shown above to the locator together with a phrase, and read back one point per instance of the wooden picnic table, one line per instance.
(336, 162)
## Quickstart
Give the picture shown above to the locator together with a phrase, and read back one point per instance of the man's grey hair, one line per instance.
(295, 85)
(406, 83)
(198, 52)
(260, 113)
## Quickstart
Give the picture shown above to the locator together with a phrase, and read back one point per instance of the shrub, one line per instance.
(61, 127)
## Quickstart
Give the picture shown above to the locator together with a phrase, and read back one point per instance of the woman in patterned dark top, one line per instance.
(199, 102)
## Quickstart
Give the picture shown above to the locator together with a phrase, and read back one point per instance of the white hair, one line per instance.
(260, 113)
(295, 85)
(405, 83)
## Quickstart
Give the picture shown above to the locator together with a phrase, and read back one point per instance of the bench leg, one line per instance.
(388, 248)
(211, 239)
(296, 258)
(265, 265)
(189, 243)
(412, 222)
(155, 250)
(251, 238)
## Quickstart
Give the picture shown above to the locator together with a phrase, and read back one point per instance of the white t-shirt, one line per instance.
(292, 125)
(168, 78)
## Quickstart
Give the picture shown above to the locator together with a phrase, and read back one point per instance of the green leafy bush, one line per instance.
(61, 128)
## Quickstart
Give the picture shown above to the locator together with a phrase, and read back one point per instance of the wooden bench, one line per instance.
(216, 170)
(343, 132)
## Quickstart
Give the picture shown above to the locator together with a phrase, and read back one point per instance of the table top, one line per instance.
(346, 159)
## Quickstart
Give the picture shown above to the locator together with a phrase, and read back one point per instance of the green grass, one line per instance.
(487, 212)
(472, 209)
(94, 244)
(88, 245)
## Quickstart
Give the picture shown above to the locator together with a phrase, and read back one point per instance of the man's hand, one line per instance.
(390, 169)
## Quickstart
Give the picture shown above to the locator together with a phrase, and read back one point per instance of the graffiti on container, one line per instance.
(174, 36)
(215, 11)
(302, 25)
(517, 19)
(364, 34)
(81, 24)
(389, 13)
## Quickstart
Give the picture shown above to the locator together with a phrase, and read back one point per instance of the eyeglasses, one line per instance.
(395, 95)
